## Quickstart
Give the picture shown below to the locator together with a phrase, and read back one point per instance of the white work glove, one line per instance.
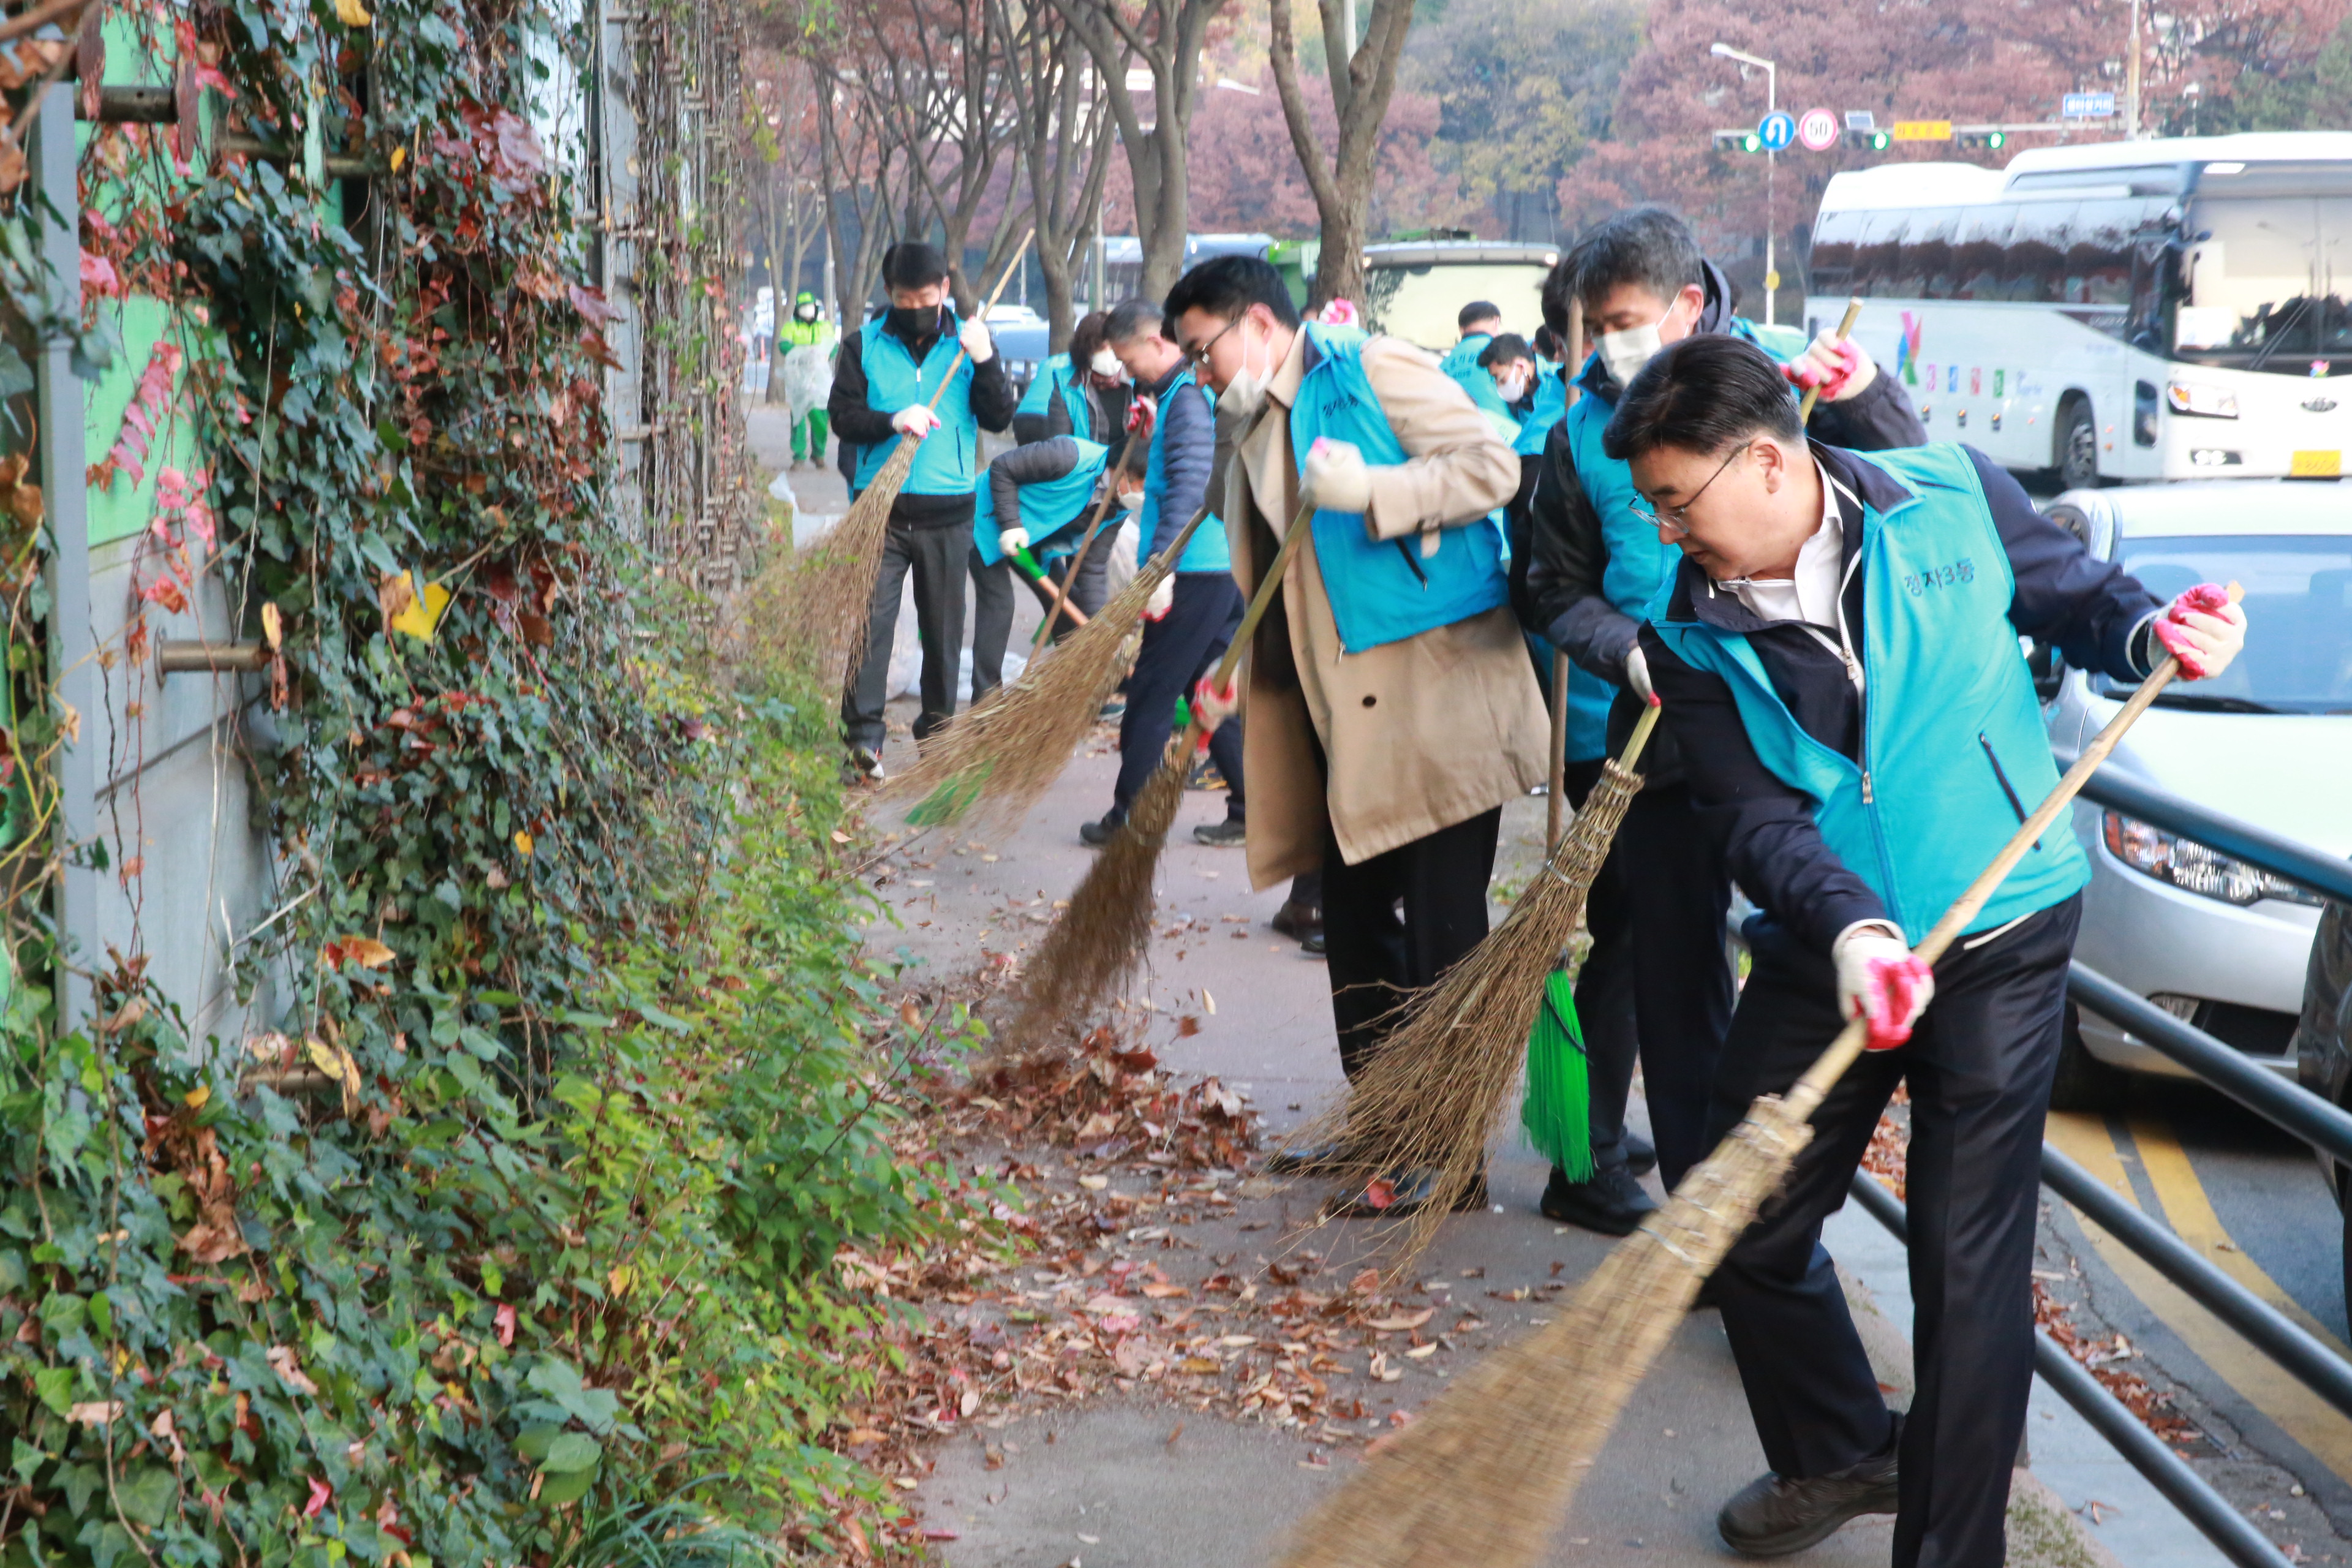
(1163, 600)
(1010, 540)
(1880, 980)
(915, 420)
(978, 346)
(1336, 478)
(1637, 675)
(2203, 630)
(1841, 369)
(1212, 707)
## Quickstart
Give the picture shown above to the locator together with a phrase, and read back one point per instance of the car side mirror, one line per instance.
(2049, 670)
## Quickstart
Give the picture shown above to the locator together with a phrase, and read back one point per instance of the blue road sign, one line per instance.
(2087, 106)
(1777, 130)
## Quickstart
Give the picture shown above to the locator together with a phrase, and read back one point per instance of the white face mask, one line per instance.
(1106, 364)
(1627, 351)
(1512, 388)
(1246, 393)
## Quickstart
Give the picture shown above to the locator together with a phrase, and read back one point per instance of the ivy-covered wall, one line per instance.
(467, 1190)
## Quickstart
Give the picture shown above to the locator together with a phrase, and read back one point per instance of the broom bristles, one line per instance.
(1001, 754)
(1432, 1095)
(1101, 938)
(1486, 1472)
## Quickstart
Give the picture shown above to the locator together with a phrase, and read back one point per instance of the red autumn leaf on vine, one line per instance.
(165, 592)
(98, 277)
(592, 304)
(150, 406)
(322, 1494)
(506, 1320)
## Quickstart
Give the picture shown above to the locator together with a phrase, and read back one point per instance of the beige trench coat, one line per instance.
(1419, 734)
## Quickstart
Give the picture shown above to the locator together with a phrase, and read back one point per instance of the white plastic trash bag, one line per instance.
(808, 378)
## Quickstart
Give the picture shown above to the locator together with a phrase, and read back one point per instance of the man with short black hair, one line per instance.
(1657, 909)
(884, 378)
(1192, 617)
(1479, 322)
(1391, 711)
(1837, 654)
(1510, 364)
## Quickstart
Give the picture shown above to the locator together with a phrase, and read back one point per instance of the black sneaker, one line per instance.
(1772, 1517)
(861, 767)
(1400, 1195)
(1311, 1159)
(1223, 834)
(1641, 1154)
(1612, 1203)
(1095, 835)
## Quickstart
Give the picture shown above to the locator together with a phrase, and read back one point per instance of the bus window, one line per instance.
(2268, 287)
(1977, 252)
(1832, 259)
(2098, 263)
(1924, 264)
(2033, 268)
(1875, 254)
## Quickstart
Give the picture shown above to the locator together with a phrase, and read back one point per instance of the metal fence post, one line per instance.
(73, 662)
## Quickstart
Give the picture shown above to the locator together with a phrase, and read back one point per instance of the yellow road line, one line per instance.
(2321, 1429)
(2191, 1213)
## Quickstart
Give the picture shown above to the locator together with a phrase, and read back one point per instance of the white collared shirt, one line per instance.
(1812, 594)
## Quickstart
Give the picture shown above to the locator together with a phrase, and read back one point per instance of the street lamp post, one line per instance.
(1771, 170)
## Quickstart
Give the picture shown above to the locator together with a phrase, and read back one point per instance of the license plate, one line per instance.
(2317, 464)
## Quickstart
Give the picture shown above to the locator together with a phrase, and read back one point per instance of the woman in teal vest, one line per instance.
(1837, 652)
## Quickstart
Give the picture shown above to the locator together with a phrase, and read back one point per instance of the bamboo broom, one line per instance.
(1006, 750)
(1430, 1098)
(1103, 935)
(1488, 1472)
(835, 573)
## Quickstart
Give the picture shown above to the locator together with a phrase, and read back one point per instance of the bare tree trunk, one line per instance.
(1063, 141)
(1362, 86)
(1167, 36)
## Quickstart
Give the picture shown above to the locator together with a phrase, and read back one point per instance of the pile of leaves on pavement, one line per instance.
(1111, 1167)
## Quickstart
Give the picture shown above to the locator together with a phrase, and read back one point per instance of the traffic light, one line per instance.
(1738, 142)
(1993, 140)
(1880, 140)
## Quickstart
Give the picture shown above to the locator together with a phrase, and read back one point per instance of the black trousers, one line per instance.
(1395, 922)
(992, 621)
(1655, 983)
(937, 556)
(1177, 649)
(1979, 1063)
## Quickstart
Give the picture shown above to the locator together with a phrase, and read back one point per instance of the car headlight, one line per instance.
(2195, 868)
(2203, 401)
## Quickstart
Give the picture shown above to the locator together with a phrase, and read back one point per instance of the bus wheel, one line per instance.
(2078, 445)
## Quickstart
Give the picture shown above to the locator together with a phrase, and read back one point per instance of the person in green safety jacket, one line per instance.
(806, 328)
(1480, 319)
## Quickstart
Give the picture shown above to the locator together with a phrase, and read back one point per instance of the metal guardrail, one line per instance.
(2213, 1515)
(2325, 1126)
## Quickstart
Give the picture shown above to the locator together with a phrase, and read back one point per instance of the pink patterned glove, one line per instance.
(2203, 630)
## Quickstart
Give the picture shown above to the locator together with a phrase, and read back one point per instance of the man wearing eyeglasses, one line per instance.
(1837, 654)
(1390, 709)
(1596, 562)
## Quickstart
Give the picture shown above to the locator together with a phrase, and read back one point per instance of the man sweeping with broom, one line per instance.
(1593, 567)
(884, 380)
(1390, 709)
(1837, 655)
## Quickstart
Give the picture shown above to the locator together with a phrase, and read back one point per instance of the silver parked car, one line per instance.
(2205, 936)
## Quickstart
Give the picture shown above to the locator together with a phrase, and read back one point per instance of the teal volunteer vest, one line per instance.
(1924, 812)
(1383, 591)
(1052, 510)
(947, 460)
(1058, 378)
(1641, 565)
(1208, 551)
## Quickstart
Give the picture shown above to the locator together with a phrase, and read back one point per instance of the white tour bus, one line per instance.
(2161, 309)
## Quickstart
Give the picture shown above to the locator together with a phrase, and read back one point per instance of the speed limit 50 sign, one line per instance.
(1817, 130)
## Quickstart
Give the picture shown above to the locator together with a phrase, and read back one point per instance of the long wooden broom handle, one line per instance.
(1556, 780)
(947, 380)
(1267, 586)
(1846, 330)
(1816, 1085)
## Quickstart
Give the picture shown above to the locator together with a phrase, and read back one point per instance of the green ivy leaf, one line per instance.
(54, 1385)
(146, 1492)
(572, 1451)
